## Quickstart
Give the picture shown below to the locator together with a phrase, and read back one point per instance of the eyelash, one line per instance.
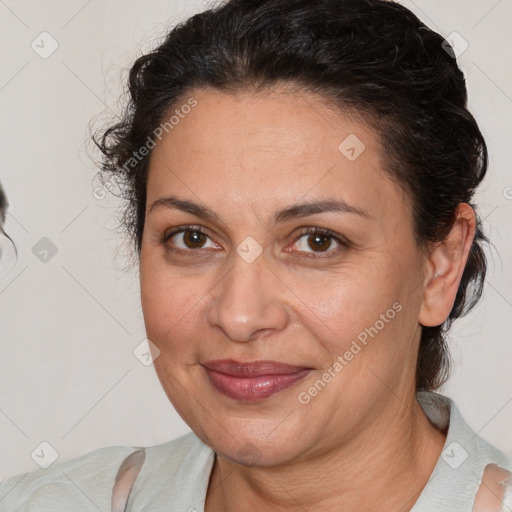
(344, 244)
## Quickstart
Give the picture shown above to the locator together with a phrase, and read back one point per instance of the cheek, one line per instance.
(159, 298)
(355, 325)
(344, 300)
(172, 305)
(358, 312)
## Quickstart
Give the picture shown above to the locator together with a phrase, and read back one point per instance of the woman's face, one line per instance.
(252, 286)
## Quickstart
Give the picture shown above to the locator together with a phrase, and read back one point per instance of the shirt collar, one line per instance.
(456, 477)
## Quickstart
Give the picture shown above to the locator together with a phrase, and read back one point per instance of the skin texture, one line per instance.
(245, 156)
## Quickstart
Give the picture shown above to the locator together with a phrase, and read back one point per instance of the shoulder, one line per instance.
(84, 483)
(81, 482)
(443, 412)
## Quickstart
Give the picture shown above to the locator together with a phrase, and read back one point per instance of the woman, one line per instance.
(298, 178)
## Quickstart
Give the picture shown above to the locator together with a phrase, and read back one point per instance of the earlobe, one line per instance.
(445, 266)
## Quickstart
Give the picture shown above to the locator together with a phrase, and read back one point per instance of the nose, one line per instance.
(247, 301)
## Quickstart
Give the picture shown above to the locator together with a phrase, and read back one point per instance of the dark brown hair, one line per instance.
(3, 207)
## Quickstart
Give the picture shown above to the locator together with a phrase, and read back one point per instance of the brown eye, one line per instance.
(318, 240)
(193, 239)
(188, 239)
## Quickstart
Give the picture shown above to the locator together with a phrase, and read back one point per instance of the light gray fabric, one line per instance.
(457, 475)
(175, 475)
(82, 484)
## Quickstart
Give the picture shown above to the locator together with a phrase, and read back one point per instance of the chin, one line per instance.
(246, 447)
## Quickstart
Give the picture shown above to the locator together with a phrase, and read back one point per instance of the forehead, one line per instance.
(234, 151)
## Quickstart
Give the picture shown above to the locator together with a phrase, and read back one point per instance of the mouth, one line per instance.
(252, 381)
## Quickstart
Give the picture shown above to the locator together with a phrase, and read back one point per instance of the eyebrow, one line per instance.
(291, 212)
(309, 208)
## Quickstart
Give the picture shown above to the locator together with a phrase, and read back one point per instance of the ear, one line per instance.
(445, 266)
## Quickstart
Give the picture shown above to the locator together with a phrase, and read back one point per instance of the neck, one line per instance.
(384, 467)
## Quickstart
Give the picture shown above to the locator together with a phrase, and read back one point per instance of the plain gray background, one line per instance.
(69, 325)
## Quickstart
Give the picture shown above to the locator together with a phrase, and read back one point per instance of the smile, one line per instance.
(252, 381)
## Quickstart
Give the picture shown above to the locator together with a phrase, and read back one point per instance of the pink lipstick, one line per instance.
(252, 380)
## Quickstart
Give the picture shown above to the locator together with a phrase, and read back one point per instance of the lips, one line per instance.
(252, 380)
